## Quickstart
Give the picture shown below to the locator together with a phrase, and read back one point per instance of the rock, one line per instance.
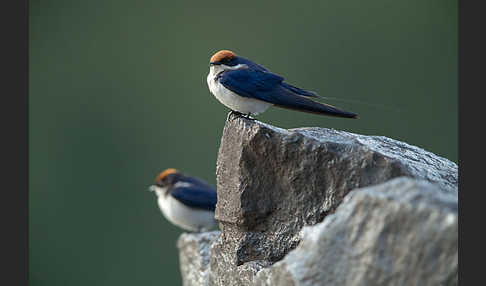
(227, 272)
(194, 251)
(403, 232)
(271, 182)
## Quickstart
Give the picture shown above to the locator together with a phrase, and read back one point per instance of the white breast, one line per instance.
(185, 217)
(232, 100)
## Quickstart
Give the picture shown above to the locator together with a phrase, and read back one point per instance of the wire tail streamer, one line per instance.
(361, 102)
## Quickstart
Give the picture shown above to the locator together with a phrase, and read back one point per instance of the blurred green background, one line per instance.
(118, 93)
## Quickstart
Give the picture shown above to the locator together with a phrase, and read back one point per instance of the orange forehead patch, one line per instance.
(165, 173)
(222, 55)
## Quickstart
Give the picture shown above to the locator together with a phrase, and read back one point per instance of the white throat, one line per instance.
(158, 190)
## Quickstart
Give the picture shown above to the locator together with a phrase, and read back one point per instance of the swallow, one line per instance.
(185, 201)
(249, 88)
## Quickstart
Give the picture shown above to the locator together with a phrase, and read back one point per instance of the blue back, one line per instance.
(195, 193)
(256, 67)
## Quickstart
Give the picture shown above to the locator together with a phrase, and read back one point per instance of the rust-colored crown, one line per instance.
(223, 54)
(164, 174)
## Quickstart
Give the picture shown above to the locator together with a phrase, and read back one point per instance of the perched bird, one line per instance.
(248, 88)
(185, 201)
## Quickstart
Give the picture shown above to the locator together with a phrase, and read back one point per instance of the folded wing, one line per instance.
(196, 196)
(269, 87)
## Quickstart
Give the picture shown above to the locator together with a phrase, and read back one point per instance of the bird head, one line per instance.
(165, 180)
(225, 60)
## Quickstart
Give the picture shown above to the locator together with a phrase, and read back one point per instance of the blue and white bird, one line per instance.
(248, 88)
(185, 201)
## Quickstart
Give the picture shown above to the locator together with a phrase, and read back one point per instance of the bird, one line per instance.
(185, 201)
(248, 88)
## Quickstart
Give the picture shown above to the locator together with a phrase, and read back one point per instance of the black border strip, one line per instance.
(471, 129)
(14, 138)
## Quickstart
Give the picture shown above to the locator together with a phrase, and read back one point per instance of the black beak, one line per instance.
(214, 63)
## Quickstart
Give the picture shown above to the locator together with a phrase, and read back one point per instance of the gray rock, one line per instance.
(403, 232)
(194, 251)
(271, 182)
(226, 271)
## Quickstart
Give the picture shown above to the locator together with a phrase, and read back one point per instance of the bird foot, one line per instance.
(248, 116)
(236, 113)
(239, 114)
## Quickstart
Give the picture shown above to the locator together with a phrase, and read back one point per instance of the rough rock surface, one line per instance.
(194, 251)
(403, 232)
(272, 182)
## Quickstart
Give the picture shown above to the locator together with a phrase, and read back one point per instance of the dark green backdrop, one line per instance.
(118, 93)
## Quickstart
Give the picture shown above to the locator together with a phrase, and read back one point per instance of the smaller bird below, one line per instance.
(249, 88)
(185, 201)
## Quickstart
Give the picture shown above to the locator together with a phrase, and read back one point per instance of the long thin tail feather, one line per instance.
(290, 100)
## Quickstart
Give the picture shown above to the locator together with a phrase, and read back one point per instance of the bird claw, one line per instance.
(248, 116)
(235, 113)
(239, 114)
